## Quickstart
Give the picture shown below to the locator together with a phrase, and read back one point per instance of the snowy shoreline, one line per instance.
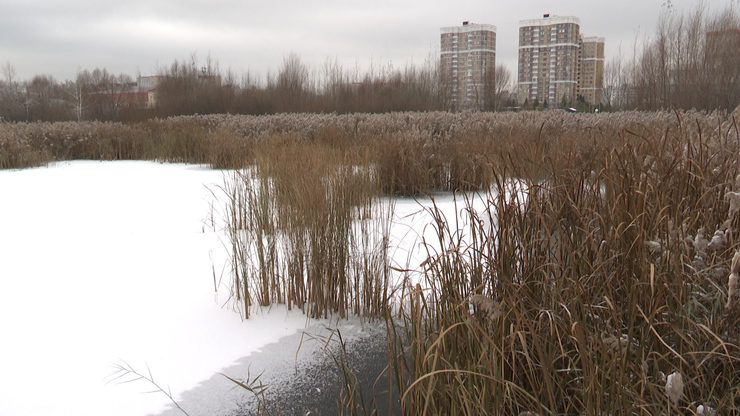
(111, 262)
(298, 371)
(105, 263)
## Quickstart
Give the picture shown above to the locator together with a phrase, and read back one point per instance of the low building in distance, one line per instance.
(141, 94)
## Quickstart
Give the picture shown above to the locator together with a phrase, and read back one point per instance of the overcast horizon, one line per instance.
(60, 38)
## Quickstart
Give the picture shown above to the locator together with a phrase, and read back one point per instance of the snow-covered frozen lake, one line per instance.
(104, 263)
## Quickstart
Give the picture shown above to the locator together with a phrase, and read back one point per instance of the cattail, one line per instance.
(490, 309)
(719, 241)
(654, 247)
(674, 387)
(616, 344)
(702, 410)
(733, 281)
(734, 198)
(700, 242)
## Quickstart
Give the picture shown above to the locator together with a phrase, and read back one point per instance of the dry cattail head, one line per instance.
(734, 198)
(702, 410)
(490, 308)
(616, 344)
(735, 268)
(654, 247)
(733, 285)
(719, 241)
(733, 281)
(700, 242)
(674, 387)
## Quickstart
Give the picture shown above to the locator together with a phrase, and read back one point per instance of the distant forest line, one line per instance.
(691, 61)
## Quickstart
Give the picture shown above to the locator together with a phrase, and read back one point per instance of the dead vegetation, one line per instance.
(606, 283)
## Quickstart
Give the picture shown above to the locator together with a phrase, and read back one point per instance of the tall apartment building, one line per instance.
(468, 59)
(556, 64)
(592, 70)
(549, 59)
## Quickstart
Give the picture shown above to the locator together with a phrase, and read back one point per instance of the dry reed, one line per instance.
(572, 312)
(575, 295)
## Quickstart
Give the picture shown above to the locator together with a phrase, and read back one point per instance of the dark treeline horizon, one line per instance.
(692, 61)
(192, 87)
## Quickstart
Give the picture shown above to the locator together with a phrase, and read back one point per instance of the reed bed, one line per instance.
(599, 277)
(608, 289)
(605, 283)
(308, 229)
(411, 153)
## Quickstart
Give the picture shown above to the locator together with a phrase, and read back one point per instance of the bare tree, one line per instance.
(46, 100)
(9, 73)
(291, 83)
(502, 85)
(101, 95)
(722, 60)
(11, 96)
(693, 61)
(612, 81)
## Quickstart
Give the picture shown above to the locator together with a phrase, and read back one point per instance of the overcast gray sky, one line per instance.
(60, 37)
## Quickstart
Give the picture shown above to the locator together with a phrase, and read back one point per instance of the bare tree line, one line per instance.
(691, 61)
(190, 87)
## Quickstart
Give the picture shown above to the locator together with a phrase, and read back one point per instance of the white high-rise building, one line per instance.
(592, 70)
(557, 66)
(468, 61)
(549, 60)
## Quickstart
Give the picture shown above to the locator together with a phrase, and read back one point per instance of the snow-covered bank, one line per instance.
(299, 373)
(104, 262)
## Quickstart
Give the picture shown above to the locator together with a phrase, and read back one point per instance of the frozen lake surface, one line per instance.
(105, 263)
(110, 262)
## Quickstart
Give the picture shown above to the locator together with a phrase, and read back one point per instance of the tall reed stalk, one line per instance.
(309, 230)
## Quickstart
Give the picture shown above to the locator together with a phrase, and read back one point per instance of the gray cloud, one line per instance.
(59, 37)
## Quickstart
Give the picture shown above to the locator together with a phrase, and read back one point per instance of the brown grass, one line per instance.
(581, 295)
(307, 229)
(564, 308)
(411, 153)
